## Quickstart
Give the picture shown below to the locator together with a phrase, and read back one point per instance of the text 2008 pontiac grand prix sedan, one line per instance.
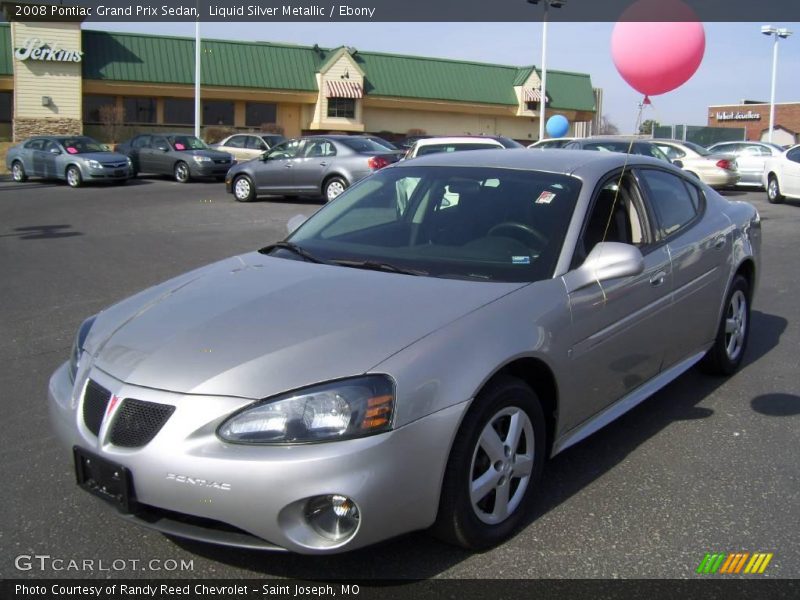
(412, 354)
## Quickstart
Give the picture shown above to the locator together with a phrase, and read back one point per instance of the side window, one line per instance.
(674, 202)
(794, 155)
(616, 216)
(256, 143)
(35, 145)
(754, 151)
(288, 149)
(319, 149)
(671, 152)
(159, 142)
(237, 141)
(143, 141)
(50, 146)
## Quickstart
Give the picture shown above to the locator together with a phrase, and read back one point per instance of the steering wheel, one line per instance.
(515, 228)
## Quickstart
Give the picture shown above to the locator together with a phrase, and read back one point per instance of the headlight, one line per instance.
(201, 159)
(93, 164)
(77, 346)
(343, 409)
(130, 162)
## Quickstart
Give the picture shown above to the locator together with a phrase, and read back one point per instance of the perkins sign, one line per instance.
(739, 116)
(36, 49)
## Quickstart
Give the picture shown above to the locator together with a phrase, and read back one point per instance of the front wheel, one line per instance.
(182, 172)
(725, 356)
(74, 178)
(774, 190)
(18, 172)
(496, 460)
(334, 187)
(243, 189)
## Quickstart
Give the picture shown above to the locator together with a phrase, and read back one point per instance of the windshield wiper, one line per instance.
(371, 265)
(292, 247)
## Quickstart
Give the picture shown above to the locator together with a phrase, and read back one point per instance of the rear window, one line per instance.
(436, 148)
(363, 145)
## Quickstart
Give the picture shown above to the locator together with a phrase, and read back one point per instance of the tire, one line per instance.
(725, 356)
(478, 521)
(74, 177)
(774, 190)
(243, 189)
(333, 187)
(181, 172)
(18, 173)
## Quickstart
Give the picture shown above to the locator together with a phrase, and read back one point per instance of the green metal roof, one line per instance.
(6, 68)
(157, 59)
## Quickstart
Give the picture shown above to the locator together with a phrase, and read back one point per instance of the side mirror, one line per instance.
(295, 222)
(162, 148)
(607, 260)
(55, 151)
(677, 162)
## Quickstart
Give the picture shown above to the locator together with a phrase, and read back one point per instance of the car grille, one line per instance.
(95, 402)
(117, 165)
(221, 161)
(137, 422)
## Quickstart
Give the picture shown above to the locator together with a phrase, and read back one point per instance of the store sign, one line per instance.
(36, 49)
(739, 116)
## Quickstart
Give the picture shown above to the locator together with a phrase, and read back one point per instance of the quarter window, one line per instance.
(675, 202)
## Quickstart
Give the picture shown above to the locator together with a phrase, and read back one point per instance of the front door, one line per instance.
(311, 167)
(274, 175)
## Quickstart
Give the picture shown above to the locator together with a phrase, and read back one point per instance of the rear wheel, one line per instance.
(18, 171)
(243, 189)
(182, 174)
(333, 187)
(774, 190)
(725, 356)
(74, 178)
(496, 460)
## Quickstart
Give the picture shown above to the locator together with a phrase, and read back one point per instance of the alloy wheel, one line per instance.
(333, 189)
(735, 325)
(242, 189)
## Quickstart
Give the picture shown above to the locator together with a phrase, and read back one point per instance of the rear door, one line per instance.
(35, 157)
(750, 159)
(141, 154)
(699, 243)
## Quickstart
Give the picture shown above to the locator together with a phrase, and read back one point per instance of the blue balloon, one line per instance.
(557, 126)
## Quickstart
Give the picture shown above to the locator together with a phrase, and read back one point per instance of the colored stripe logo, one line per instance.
(733, 563)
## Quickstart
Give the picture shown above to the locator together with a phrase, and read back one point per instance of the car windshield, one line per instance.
(697, 148)
(487, 224)
(360, 144)
(186, 142)
(81, 145)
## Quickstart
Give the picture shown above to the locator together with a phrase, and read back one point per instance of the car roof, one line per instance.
(466, 139)
(550, 160)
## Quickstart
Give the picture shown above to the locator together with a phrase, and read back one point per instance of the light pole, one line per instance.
(198, 114)
(543, 101)
(776, 33)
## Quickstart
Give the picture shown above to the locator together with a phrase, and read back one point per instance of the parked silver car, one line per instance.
(712, 168)
(403, 362)
(750, 158)
(75, 159)
(178, 154)
(247, 146)
(313, 166)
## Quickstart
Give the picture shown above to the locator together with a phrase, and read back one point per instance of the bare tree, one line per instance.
(112, 117)
(607, 127)
(648, 126)
(272, 128)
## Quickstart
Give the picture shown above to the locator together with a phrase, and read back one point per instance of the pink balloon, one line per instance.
(656, 57)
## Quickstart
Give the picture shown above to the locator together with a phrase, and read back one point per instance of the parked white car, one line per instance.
(451, 144)
(750, 158)
(781, 176)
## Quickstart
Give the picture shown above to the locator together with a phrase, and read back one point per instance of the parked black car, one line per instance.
(178, 154)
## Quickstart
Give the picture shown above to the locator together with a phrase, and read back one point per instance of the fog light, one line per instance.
(334, 517)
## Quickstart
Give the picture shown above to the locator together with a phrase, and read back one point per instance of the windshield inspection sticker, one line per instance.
(520, 260)
(545, 197)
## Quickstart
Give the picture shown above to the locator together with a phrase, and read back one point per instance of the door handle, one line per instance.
(720, 241)
(287, 167)
(658, 279)
(323, 164)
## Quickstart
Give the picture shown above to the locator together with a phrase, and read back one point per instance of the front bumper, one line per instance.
(394, 477)
(209, 169)
(107, 173)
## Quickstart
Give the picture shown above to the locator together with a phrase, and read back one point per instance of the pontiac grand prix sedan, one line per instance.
(410, 356)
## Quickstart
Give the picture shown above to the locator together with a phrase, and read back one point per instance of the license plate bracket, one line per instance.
(104, 479)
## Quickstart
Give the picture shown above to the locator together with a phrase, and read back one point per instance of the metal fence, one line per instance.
(705, 136)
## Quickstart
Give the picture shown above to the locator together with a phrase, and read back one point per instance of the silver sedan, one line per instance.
(411, 355)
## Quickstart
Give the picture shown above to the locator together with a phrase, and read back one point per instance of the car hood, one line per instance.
(103, 157)
(254, 325)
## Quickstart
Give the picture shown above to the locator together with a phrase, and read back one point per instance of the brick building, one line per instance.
(754, 117)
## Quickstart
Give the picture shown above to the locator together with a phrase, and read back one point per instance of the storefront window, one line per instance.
(342, 107)
(6, 107)
(217, 112)
(258, 113)
(178, 111)
(140, 110)
(93, 104)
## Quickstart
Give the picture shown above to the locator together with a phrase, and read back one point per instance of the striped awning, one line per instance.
(531, 95)
(343, 89)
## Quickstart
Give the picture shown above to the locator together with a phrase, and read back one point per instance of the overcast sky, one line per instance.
(737, 62)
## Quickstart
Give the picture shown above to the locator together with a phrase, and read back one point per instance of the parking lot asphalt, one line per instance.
(705, 465)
